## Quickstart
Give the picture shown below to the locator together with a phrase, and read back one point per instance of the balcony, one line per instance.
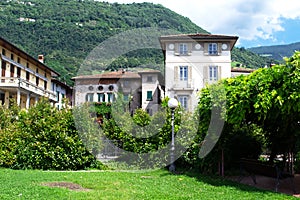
(184, 85)
(13, 82)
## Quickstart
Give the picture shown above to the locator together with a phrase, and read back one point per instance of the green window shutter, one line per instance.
(110, 97)
(149, 95)
(126, 97)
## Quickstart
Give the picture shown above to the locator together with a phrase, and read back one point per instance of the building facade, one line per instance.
(23, 77)
(63, 94)
(139, 89)
(192, 61)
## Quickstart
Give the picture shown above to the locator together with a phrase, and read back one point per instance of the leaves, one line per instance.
(42, 138)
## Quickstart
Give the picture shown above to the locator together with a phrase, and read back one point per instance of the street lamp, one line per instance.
(172, 103)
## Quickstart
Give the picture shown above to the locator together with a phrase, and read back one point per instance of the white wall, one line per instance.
(199, 63)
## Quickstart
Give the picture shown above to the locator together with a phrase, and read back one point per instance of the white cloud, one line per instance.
(250, 20)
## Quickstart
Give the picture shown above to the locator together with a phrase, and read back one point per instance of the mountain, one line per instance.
(66, 31)
(242, 57)
(276, 52)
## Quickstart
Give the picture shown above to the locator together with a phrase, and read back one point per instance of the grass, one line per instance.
(156, 184)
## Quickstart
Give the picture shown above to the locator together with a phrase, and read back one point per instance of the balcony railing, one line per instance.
(184, 84)
(26, 85)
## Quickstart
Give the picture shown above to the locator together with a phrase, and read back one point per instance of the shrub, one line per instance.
(43, 138)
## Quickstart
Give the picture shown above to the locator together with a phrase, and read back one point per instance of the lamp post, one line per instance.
(172, 103)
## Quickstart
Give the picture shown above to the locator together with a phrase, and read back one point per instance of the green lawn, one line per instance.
(158, 184)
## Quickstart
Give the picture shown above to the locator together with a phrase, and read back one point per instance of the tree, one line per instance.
(267, 99)
(42, 137)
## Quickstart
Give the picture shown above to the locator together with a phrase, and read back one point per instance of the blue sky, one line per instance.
(256, 22)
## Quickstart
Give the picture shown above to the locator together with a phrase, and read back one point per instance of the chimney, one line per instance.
(41, 58)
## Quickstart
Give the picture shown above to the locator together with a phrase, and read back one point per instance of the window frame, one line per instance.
(101, 97)
(183, 100)
(18, 72)
(149, 95)
(45, 85)
(89, 97)
(12, 70)
(212, 49)
(126, 97)
(110, 97)
(183, 49)
(149, 79)
(183, 73)
(213, 74)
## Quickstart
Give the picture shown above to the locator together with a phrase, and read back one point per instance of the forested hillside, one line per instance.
(65, 31)
(245, 58)
(277, 52)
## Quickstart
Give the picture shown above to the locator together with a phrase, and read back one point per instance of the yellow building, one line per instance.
(23, 77)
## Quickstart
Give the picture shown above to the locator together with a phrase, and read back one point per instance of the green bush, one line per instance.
(43, 138)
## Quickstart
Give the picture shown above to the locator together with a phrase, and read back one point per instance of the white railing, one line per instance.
(189, 84)
(26, 85)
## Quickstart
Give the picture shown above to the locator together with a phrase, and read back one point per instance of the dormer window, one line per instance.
(183, 49)
(213, 49)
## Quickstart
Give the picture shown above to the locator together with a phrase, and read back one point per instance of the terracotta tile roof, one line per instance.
(198, 36)
(247, 70)
(11, 47)
(110, 75)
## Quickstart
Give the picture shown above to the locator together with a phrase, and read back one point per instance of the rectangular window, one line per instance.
(110, 97)
(149, 79)
(101, 97)
(18, 60)
(3, 68)
(12, 70)
(183, 49)
(12, 56)
(27, 76)
(3, 52)
(89, 97)
(37, 80)
(2, 98)
(183, 100)
(213, 73)
(149, 95)
(126, 97)
(183, 73)
(18, 72)
(45, 85)
(213, 49)
(57, 96)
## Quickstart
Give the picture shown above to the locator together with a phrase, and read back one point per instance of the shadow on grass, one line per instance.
(218, 181)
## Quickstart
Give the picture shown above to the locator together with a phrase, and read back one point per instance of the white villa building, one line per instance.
(192, 61)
